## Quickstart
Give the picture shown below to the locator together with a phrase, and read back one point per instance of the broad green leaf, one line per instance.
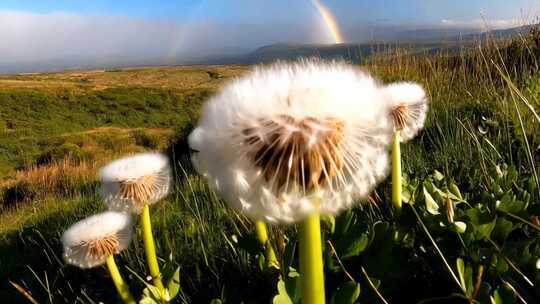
(406, 196)
(343, 222)
(348, 293)
(174, 284)
(502, 229)
(431, 205)
(216, 301)
(282, 297)
(147, 300)
(352, 245)
(154, 291)
(485, 229)
(509, 204)
(503, 295)
(438, 176)
(292, 285)
(447, 194)
(455, 190)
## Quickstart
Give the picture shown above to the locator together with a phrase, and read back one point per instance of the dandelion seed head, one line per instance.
(408, 108)
(129, 183)
(288, 134)
(89, 242)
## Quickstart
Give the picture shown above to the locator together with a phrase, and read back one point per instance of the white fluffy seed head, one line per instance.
(272, 141)
(408, 108)
(129, 183)
(89, 242)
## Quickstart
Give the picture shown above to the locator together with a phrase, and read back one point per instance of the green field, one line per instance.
(482, 137)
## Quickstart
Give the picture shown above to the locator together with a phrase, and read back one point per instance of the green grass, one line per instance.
(473, 136)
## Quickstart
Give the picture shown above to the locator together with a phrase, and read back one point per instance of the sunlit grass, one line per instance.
(472, 133)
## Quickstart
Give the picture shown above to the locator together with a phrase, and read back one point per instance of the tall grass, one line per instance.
(478, 122)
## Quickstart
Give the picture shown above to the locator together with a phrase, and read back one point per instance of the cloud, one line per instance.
(483, 24)
(54, 41)
(69, 39)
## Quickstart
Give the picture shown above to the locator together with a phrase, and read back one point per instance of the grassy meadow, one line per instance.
(470, 233)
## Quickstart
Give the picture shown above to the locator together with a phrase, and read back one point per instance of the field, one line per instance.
(470, 233)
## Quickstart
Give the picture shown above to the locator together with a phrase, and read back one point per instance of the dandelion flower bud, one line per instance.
(273, 140)
(89, 242)
(408, 108)
(129, 183)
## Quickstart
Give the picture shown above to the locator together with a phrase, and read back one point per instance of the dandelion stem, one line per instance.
(262, 235)
(121, 286)
(311, 263)
(150, 249)
(396, 172)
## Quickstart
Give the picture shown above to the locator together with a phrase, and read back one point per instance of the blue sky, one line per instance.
(120, 31)
(292, 11)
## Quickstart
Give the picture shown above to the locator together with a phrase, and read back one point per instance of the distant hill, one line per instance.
(421, 40)
(424, 40)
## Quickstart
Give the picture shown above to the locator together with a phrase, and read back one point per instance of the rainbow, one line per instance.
(329, 20)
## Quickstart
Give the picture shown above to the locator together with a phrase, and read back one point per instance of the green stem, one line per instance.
(121, 286)
(262, 236)
(396, 172)
(150, 249)
(311, 263)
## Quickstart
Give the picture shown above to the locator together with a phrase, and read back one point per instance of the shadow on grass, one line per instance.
(31, 258)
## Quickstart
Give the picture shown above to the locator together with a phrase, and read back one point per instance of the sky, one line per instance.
(33, 31)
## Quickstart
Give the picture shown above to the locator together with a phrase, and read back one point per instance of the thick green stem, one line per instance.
(396, 172)
(150, 249)
(311, 262)
(121, 286)
(262, 236)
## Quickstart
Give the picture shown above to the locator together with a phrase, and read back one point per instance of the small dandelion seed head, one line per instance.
(89, 242)
(408, 108)
(273, 141)
(128, 184)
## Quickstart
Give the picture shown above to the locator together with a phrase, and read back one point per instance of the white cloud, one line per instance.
(28, 38)
(483, 24)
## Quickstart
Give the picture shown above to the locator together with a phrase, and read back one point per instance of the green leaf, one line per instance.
(343, 222)
(216, 301)
(455, 190)
(483, 292)
(329, 222)
(431, 205)
(293, 286)
(348, 293)
(461, 272)
(174, 284)
(438, 176)
(282, 297)
(469, 284)
(509, 204)
(352, 245)
(147, 300)
(502, 229)
(485, 229)
(153, 291)
(503, 295)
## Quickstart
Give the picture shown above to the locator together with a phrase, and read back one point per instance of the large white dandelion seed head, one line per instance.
(408, 108)
(129, 183)
(89, 242)
(286, 135)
